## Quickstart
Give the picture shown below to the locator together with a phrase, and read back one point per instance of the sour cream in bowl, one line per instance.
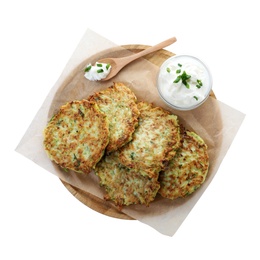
(184, 82)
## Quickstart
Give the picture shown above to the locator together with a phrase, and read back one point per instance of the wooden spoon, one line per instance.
(118, 63)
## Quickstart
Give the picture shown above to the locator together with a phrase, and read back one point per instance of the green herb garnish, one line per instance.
(177, 79)
(186, 84)
(196, 98)
(168, 70)
(100, 71)
(178, 71)
(184, 77)
(199, 85)
(180, 65)
(99, 65)
(88, 68)
(199, 82)
(107, 66)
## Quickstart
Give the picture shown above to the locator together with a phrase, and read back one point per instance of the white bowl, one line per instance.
(187, 93)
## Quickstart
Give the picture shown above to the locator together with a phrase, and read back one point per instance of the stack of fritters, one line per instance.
(136, 149)
(130, 175)
(118, 103)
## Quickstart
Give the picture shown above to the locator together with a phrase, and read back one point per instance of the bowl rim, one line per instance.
(192, 106)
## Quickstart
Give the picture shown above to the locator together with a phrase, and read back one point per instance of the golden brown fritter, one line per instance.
(118, 102)
(125, 186)
(187, 170)
(76, 137)
(155, 140)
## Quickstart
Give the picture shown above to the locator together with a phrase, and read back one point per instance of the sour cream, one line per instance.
(184, 82)
(97, 72)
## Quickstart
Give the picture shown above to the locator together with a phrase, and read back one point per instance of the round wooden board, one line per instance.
(93, 202)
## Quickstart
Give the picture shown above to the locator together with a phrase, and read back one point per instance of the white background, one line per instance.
(39, 218)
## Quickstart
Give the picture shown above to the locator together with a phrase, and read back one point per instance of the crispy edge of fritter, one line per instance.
(118, 90)
(77, 162)
(127, 153)
(121, 183)
(175, 184)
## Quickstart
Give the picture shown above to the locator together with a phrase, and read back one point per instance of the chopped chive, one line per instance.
(88, 68)
(100, 71)
(185, 76)
(168, 70)
(196, 98)
(107, 66)
(177, 79)
(180, 65)
(199, 82)
(99, 65)
(186, 84)
(199, 85)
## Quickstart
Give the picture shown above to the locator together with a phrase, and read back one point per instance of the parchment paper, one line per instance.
(214, 121)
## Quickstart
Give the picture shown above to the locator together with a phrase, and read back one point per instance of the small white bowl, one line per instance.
(184, 94)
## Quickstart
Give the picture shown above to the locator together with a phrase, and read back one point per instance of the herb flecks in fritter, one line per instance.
(136, 149)
(123, 185)
(187, 170)
(76, 137)
(155, 140)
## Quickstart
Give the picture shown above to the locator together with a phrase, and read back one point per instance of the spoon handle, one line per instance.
(151, 49)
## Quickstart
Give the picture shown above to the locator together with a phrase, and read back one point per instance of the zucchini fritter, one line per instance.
(118, 102)
(125, 186)
(76, 137)
(187, 170)
(155, 140)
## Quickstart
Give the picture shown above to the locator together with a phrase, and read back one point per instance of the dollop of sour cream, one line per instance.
(184, 81)
(97, 72)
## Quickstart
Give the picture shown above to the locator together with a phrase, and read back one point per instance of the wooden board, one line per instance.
(93, 202)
